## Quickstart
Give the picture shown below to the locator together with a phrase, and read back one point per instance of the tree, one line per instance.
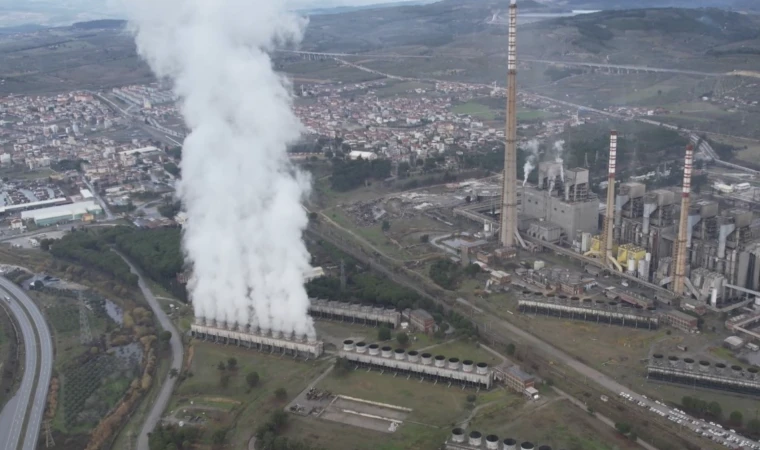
(386, 225)
(232, 363)
(313, 216)
(224, 380)
(425, 238)
(252, 379)
(736, 418)
(402, 338)
(623, 427)
(472, 269)
(165, 337)
(715, 410)
(280, 394)
(471, 398)
(383, 333)
(221, 366)
(173, 373)
(342, 367)
(753, 425)
(219, 437)
(511, 349)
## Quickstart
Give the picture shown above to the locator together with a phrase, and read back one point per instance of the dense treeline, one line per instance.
(91, 251)
(269, 435)
(172, 437)
(158, 253)
(445, 273)
(350, 174)
(67, 164)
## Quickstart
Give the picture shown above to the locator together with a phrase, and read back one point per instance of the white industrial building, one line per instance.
(354, 313)
(62, 213)
(367, 156)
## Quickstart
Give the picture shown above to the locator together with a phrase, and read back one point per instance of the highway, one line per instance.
(159, 405)
(38, 367)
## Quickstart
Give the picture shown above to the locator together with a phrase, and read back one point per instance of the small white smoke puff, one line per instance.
(559, 148)
(530, 161)
(243, 237)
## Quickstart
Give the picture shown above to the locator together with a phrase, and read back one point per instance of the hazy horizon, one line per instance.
(64, 12)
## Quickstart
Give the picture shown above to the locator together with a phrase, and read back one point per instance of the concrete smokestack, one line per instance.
(679, 250)
(509, 190)
(609, 216)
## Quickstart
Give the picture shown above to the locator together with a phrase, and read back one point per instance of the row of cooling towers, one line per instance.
(704, 374)
(612, 312)
(437, 367)
(474, 440)
(244, 328)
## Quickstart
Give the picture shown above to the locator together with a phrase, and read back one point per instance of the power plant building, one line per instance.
(562, 201)
(62, 213)
(438, 369)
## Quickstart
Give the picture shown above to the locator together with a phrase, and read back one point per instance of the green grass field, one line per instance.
(475, 109)
(558, 424)
(255, 404)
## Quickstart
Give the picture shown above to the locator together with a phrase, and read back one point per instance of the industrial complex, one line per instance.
(704, 374)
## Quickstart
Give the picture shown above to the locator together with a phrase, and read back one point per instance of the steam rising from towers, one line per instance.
(242, 197)
(531, 147)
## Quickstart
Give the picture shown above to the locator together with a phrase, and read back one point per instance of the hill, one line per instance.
(665, 37)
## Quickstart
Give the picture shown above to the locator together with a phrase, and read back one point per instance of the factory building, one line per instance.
(704, 375)
(438, 369)
(420, 320)
(62, 213)
(354, 313)
(460, 439)
(680, 320)
(514, 378)
(598, 311)
(261, 339)
(562, 201)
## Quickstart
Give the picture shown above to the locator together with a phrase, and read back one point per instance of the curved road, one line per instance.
(159, 405)
(35, 371)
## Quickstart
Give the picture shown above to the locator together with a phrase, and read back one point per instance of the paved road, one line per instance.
(38, 369)
(159, 406)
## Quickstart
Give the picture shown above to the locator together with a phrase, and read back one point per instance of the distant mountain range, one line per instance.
(738, 5)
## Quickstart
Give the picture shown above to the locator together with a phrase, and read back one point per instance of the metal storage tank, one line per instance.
(492, 442)
(475, 438)
(454, 363)
(427, 359)
(527, 446)
(467, 365)
(482, 368)
(374, 349)
(386, 352)
(348, 345)
(440, 361)
(510, 444)
(399, 354)
(631, 268)
(361, 347)
(457, 435)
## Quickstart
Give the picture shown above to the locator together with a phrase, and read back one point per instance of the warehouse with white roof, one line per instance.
(62, 213)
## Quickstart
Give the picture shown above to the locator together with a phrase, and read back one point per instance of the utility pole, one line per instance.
(48, 435)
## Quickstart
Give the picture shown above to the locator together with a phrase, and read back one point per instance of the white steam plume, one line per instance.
(559, 148)
(530, 161)
(243, 237)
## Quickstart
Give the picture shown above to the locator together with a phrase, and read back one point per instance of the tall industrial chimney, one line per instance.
(609, 216)
(509, 190)
(679, 250)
